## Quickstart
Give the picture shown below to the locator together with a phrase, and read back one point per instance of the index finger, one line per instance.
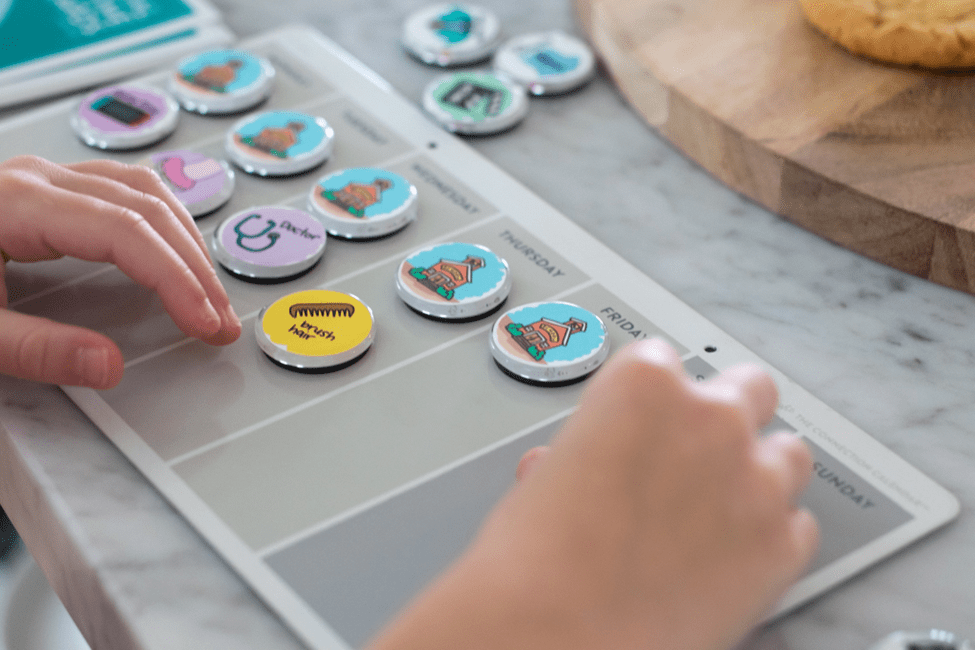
(147, 181)
(140, 189)
(748, 389)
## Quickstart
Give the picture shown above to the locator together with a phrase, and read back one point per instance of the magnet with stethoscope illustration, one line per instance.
(269, 243)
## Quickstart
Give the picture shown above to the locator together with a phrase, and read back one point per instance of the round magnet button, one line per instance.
(550, 343)
(316, 330)
(454, 281)
(475, 103)
(269, 243)
(200, 182)
(125, 116)
(451, 34)
(930, 640)
(363, 202)
(222, 81)
(279, 143)
(546, 63)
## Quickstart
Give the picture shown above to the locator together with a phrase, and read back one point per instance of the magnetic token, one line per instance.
(279, 143)
(451, 34)
(222, 81)
(474, 103)
(549, 343)
(126, 116)
(363, 202)
(269, 243)
(201, 183)
(546, 63)
(315, 330)
(454, 281)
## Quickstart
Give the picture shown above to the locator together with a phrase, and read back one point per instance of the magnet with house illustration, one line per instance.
(454, 281)
(549, 343)
(222, 81)
(279, 143)
(363, 202)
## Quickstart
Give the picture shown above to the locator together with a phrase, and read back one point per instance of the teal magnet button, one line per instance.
(475, 103)
(546, 63)
(222, 81)
(454, 281)
(549, 343)
(279, 143)
(451, 34)
(363, 202)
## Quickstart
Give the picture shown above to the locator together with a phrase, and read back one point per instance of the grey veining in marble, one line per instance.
(891, 352)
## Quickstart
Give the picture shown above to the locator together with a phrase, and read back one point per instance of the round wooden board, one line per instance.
(879, 159)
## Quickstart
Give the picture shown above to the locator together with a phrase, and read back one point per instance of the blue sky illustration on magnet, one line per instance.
(580, 343)
(549, 61)
(309, 137)
(248, 72)
(454, 26)
(485, 279)
(391, 198)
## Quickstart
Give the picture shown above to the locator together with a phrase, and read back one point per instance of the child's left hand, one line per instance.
(101, 211)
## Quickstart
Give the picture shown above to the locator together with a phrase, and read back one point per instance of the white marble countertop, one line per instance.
(892, 353)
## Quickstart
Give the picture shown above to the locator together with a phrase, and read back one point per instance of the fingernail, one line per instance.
(92, 366)
(211, 319)
(231, 316)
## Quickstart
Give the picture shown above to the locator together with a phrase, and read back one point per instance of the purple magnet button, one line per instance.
(125, 117)
(269, 243)
(200, 182)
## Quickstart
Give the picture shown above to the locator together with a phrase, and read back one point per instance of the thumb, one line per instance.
(43, 350)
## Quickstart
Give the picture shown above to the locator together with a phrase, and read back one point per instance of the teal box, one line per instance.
(36, 29)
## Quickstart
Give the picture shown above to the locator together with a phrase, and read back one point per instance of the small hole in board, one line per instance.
(431, 145)
(710, 348)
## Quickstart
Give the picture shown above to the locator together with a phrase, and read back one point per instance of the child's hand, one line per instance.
(101, 211)
(657, 519)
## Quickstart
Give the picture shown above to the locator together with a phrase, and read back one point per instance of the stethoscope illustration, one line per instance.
(241, 236)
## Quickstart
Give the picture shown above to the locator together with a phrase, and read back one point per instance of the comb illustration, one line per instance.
(321, 309)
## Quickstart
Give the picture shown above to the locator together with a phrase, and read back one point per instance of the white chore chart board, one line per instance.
(338, 496)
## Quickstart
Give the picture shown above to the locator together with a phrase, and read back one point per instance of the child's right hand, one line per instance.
(657, 519)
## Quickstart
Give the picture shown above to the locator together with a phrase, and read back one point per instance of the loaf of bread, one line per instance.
(936, 34)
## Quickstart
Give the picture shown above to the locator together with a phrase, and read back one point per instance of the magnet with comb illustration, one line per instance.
(269, 243)
(315, 330)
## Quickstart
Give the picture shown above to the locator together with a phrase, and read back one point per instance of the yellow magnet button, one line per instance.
(315, 330)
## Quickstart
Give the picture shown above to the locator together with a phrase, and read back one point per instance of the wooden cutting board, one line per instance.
(879, 159)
